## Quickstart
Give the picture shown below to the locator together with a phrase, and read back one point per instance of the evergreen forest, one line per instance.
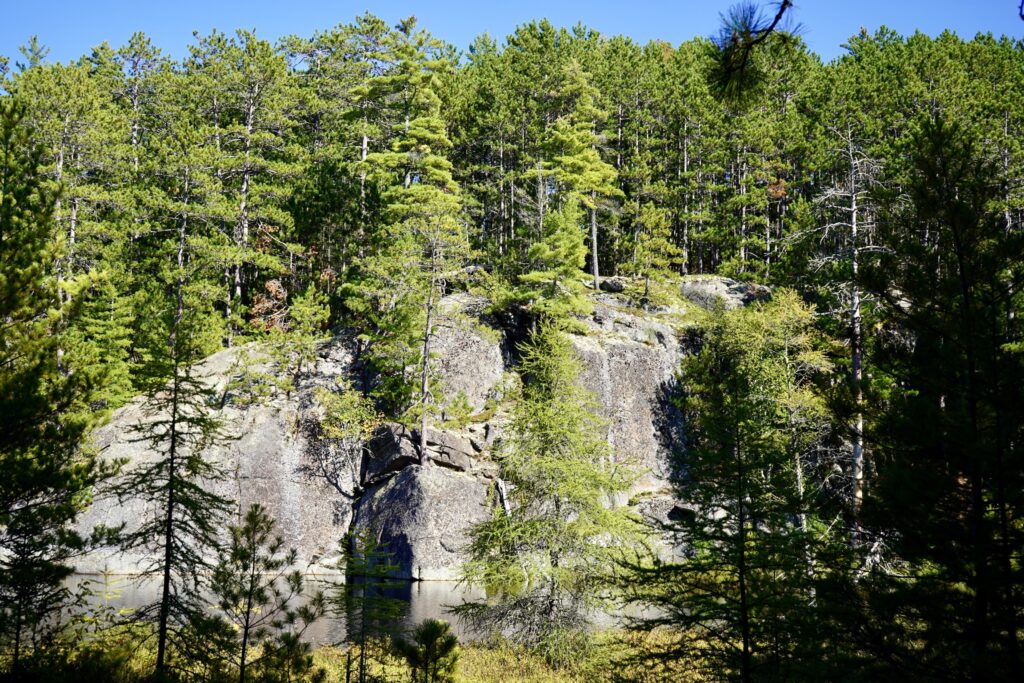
(851, 467)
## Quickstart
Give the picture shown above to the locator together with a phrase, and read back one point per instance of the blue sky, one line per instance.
(71, 28)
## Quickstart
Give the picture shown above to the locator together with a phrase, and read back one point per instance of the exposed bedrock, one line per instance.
(420, 506)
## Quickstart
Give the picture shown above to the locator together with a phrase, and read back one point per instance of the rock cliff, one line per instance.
(419, 507)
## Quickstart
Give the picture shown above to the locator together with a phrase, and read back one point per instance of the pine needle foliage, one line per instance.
(543, 561)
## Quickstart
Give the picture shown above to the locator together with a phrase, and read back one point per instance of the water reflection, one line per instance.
(424, 599)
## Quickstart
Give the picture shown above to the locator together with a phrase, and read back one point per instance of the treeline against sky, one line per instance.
(267, 146)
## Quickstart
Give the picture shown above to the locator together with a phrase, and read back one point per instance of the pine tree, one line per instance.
(47, 477)
(946, 494)
(176, 478)
(79, 126)
(577, 163)
(742, 601)
(656, 253)
(482, 120)
(544, 557)
(427, 242)
(433, 652)
(243, 86)
(552, 287)
(343, 117)
(255, 587)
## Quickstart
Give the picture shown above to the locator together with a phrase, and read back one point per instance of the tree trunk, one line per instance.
(172, 451)
(425, 371)
(593, 244)
(741, 565)
(978, 507)
(856, 369)
(242, 229)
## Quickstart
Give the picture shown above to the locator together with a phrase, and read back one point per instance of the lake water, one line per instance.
(424, 600)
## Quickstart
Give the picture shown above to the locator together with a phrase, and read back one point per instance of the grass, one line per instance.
(611, 661)
(477, 664)
(125, 656)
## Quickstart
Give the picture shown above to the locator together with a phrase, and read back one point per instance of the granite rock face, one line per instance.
(467, 353)
(420, 505)
(630, 362)
(421, 517)
(274, 455)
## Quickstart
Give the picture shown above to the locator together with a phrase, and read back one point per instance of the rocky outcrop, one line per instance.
(421, 517)
(467, 353)
(420, 505)
(391, 450)
(273, 454)
(707, 290)
(630, 361)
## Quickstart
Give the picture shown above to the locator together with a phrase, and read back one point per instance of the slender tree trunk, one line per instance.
(686, 202)
(242, 230)
(18, 628)
(540, 201)
(247, 622)
(425, 371)
(165, 594)
(593, 243)
(856, 365)
(135, 122)
(743, 217)
(502, 220)
(741, 564)
(979, 541)
(172, 451)
(364, 151)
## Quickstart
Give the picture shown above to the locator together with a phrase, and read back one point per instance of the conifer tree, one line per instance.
(176, 478)
(433, 652)
(79, 126)
(47, 476)
(427, 242)
(344, 117)
(294, 332)
(743, 599)
(552, 287)
(255, 586)
(947, 493)
(545, 557)
(656, 253)
(246, 94)
(577, 162)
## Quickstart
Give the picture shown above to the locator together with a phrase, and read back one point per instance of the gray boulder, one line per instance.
(707, 290)
(453, 460)
(450, 449)
(421, 517)
(614, 285)
(446, 440)
(391, 449)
